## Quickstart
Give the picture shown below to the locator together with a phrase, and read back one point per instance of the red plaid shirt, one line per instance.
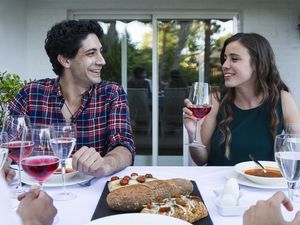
(102, 120)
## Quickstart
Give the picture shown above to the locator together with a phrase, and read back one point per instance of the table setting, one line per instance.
(225, 192)
(208, 180)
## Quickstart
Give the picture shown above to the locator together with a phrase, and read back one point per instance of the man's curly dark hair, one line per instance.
(65, 39)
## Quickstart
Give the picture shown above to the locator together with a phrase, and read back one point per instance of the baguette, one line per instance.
(134, 197)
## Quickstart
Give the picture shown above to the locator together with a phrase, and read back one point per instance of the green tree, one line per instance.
(10, 85)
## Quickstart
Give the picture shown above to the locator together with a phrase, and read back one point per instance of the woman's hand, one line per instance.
(189, 120)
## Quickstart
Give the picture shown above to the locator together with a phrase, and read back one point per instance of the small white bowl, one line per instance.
(242, 167)
(237, 210)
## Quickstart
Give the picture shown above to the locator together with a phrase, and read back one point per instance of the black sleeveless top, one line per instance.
(250, 134)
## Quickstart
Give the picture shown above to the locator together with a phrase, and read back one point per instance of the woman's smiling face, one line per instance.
(237, 68)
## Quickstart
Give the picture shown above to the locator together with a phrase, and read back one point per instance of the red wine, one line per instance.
(14, 148)
(199, 111)
(40, 167)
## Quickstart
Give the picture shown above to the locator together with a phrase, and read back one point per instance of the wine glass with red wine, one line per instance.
(41, 162)
(200, 97)
(14, 127)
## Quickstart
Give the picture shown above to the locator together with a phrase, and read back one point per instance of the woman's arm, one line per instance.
(290, 109)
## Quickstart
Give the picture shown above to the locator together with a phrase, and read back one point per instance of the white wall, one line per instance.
(13, 36)
(275, 19)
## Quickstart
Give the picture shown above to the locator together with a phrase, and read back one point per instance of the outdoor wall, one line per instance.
(13, 36)
(275, 19)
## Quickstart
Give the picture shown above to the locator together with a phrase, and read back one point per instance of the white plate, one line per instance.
(138, 219)
(58, 178)
(242, 167)
(76, 179)
(244, 181)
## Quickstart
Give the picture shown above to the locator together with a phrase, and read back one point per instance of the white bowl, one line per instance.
(242, 167)
(57, 177)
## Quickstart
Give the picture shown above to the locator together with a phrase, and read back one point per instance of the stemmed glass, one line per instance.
(41, 162)
(287, 156)
(294, 128)
(14, 127)
(200, 97)
(3, 155)
(63, 140)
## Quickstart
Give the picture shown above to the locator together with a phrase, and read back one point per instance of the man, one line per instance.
(140, 80)
(98, 108)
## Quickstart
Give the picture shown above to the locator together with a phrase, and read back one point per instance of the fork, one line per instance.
(87, 183)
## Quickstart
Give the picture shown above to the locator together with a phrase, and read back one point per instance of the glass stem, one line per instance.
(19, 187)
(291, 188)
(63, 172)
(196, 130)
(41, 186)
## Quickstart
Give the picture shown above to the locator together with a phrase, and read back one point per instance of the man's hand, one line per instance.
(269, 212)
(36, 208)
(90, 162)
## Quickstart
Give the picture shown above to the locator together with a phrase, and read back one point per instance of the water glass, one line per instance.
(287, 156)
(63, 140)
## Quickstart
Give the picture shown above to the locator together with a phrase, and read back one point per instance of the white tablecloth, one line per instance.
(80, 210)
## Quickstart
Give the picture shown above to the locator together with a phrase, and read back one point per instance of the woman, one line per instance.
(252, 107)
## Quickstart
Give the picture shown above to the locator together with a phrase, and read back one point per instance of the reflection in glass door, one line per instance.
(157, 78)
(128, 54)
(188, 51)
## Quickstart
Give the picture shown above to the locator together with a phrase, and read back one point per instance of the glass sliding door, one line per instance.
(127, 49)
(188, 51)
(156, 57)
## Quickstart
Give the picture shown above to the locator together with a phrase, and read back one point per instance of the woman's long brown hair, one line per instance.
(268, 83)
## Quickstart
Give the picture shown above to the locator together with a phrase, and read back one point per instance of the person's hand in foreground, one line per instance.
(268, 212)
(8, 173)
(36, 208)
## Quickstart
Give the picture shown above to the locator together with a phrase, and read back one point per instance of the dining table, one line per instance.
(208, 179)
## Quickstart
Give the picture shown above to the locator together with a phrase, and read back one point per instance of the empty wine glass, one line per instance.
(200, 97)
(41, 162)
(63, 140)
(293, 128)
(14, 127)
(287, 156)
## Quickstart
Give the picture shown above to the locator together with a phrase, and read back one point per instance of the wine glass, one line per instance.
(14, 127)
(41, 162)
(287, 156)
(293, 128)
(63, 140)
(3, 154)
(200, 97)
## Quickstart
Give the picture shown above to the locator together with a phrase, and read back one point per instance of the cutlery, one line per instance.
(258, 163)
(87, 183)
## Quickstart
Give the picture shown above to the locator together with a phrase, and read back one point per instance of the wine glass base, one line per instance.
(196, 144)
(64, 196)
